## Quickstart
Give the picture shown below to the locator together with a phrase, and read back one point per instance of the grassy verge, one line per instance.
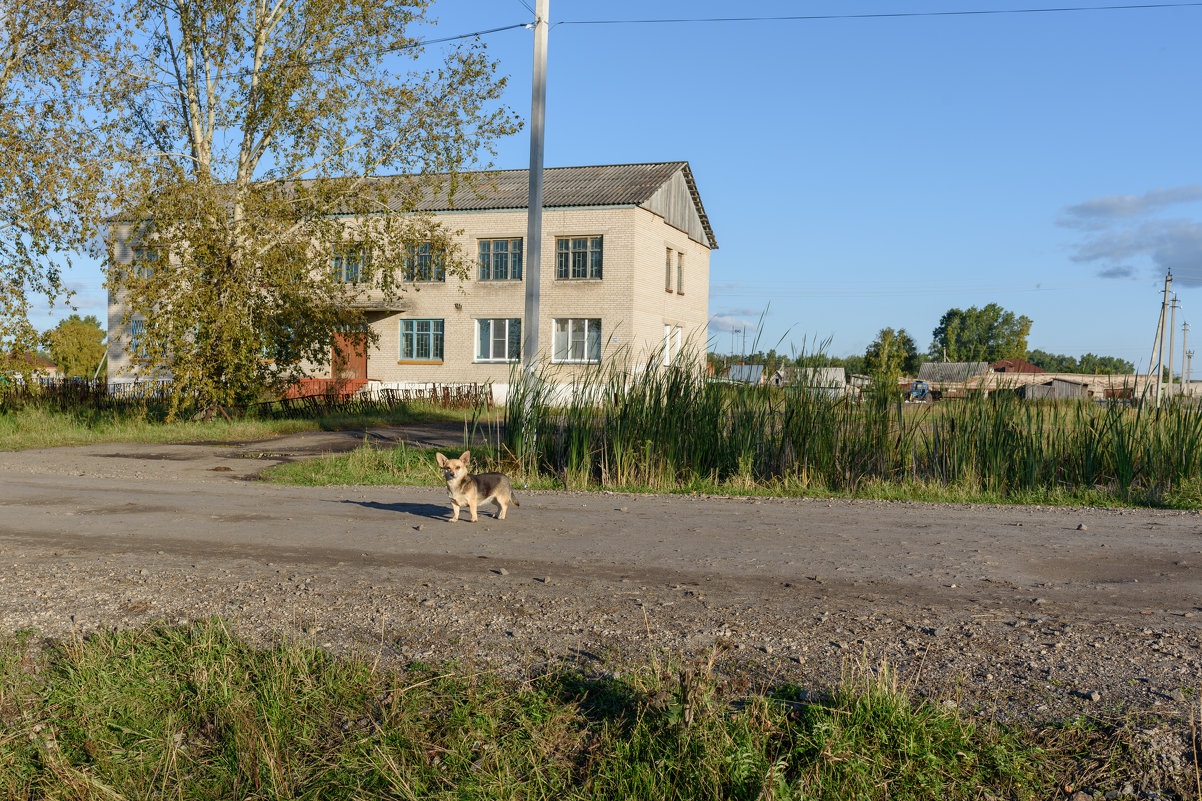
(195, 713)
(672, 429)
(44, 427)
(373, 466)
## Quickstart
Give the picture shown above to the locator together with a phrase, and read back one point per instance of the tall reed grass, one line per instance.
(672, 427)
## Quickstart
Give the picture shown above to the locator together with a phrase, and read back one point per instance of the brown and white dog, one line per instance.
(471, 490)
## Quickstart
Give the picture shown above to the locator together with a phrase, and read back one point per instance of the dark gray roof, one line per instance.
(563, 187)
(951, 371)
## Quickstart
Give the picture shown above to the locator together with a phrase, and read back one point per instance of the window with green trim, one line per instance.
(421, 340)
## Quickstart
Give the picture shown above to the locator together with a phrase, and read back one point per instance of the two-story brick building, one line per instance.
(624, 273)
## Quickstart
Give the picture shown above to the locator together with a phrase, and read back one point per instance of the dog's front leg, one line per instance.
(455, 507)
(472, 505)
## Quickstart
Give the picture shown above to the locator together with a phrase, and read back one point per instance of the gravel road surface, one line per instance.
(1018, 611)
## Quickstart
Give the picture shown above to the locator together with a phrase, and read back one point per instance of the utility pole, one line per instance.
(733, 331)
(1189, 364)
(1184, 345)
(744, 355)
(1158, 342)
(534, 206)
(1172, 342)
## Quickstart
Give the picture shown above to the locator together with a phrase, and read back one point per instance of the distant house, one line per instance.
(745, 373)
(782, 377)
(1015, 366)
(1095, 386)
(38, 365)
(951, 372)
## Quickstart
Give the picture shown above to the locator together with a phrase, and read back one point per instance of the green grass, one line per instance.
(44, 427)
(669, 429)
(369, 465)
(196, 713)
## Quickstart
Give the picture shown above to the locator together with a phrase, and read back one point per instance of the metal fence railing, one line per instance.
(330, 398)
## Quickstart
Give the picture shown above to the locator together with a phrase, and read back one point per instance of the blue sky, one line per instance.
(862, 173)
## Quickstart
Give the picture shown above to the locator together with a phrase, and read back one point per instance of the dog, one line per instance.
(471, 490)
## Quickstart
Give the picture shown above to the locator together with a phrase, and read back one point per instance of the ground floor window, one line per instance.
(421, 340)
(672, 344)
(499, 340)
(138, 344)
(577, 339)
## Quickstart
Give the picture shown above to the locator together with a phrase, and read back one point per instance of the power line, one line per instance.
(309, 63)
(882, 15)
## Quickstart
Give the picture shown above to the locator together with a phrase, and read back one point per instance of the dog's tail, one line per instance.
(514, 501)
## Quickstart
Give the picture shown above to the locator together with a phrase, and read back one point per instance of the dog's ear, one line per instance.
(465, 457)
(442, 460)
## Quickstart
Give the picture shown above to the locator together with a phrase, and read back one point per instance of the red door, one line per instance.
(349, 359)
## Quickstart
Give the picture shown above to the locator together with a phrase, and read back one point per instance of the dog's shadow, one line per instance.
(431, 510)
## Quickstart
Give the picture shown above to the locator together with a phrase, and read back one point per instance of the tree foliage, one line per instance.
(987, 334)
(76, 346)
(893, 353)
(269, 126)
(55, 154)
(1089, 363)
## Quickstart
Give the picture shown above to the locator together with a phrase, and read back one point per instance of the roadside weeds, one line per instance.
(195, 712)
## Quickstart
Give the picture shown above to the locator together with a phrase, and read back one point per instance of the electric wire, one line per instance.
(308, 63)
(878, 15)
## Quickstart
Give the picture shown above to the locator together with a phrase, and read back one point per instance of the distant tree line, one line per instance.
(986, 334)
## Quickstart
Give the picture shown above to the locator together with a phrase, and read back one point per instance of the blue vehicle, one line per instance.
(921, 392)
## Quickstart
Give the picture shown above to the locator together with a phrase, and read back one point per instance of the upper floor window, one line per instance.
(500, 259)
(350, 264)
(679, 273)
(145, 262)
(578, 257)
(424, 263)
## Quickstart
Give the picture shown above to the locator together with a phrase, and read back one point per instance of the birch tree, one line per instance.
(270, 127)
(54, 155)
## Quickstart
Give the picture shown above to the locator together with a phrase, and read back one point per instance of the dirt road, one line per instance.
(1026, 610)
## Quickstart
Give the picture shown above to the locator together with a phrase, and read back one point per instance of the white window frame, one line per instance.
(512, 329)
(436, 334)
(576, 340)
(672, 344)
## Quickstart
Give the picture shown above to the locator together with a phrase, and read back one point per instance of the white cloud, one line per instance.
(725, 323)
(1100, 211)
(1167, 244)
(1123, 246)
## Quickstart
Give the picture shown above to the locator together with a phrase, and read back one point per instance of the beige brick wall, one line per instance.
(629, 300)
